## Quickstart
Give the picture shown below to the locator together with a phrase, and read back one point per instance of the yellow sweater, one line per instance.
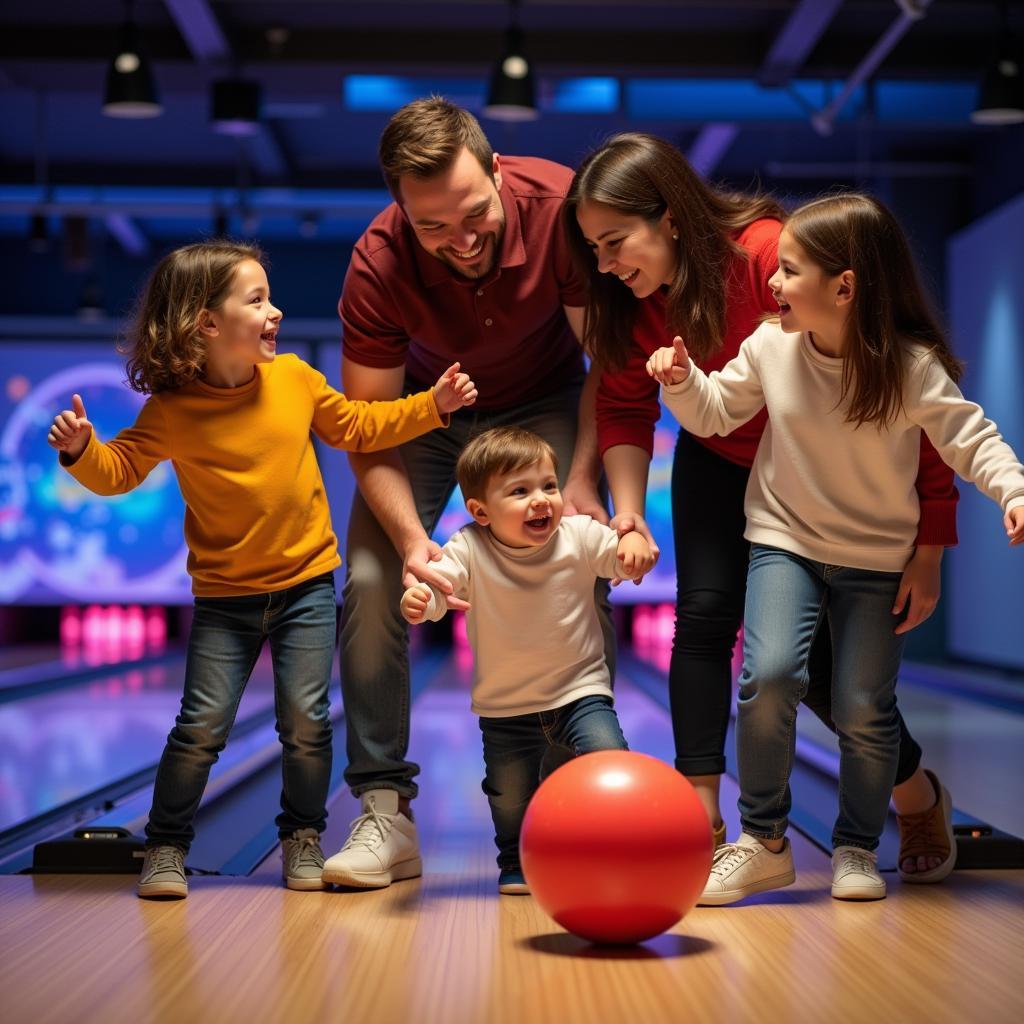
(256, 515)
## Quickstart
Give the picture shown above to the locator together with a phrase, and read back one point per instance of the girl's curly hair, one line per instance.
(165, 349)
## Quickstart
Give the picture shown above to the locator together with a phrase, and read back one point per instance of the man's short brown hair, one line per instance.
(425, 137)
(498, 451)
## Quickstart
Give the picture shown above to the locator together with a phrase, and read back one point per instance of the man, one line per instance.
(467, 264)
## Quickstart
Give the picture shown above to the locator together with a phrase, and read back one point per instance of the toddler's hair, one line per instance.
(497, 451)
(164, 345)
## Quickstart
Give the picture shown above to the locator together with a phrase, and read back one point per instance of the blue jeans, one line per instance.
(787, 600)
(518, 755)
(226, 638)
(374, 636)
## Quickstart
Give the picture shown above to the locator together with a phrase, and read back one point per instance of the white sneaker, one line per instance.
(381, 848)
(855, 875)
(743, 868)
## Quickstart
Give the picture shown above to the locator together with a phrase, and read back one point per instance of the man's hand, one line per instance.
(581, 498)
(670, 365)
(626, 522)
(416, 559)
(922, 585)
(453, 390)
(71, 430)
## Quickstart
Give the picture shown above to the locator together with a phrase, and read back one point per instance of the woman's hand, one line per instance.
(922, 584)
(626, 522)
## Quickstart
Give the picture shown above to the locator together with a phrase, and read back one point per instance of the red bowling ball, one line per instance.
(616, 846)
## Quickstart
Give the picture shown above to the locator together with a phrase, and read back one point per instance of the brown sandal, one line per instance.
(718, 836)
(928, 834)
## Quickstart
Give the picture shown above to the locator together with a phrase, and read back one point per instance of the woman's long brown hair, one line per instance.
(644, 176)
(164, 345)
(891, 308)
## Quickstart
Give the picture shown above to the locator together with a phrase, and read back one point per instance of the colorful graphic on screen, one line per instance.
(61, 543)
(58, 541)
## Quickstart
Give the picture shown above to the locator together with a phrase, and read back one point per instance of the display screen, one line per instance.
(61, 543)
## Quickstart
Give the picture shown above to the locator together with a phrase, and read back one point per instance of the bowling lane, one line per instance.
(17, 656)
(60, 745)
(452, 815)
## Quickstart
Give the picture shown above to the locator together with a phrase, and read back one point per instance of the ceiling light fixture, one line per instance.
(130, 90)
(1001, 95)
(235, 106)
(512, 93)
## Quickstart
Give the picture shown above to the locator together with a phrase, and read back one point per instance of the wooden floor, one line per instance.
(447, 949)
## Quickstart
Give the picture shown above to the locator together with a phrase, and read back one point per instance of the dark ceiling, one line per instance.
(733, 82)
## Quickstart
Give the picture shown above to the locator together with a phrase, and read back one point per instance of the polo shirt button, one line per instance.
(488, 322)
(479, 291)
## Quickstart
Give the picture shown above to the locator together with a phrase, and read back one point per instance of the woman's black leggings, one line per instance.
(711, 570)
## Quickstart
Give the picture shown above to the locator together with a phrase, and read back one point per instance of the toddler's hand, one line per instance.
(670, 365)
(414, 603)
(636, 556)
(453, 390)
(71, 430)
(1014, 523)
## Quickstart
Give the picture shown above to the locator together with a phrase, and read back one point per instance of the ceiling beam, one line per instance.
(319, 53)
(129, 235)
(208, 43)
(711, 144)
(796, 40)
(200, 29)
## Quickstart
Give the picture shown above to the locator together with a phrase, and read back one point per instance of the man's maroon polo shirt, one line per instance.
(401, 306)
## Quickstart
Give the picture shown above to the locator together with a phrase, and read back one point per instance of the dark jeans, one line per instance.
(516, 756)
(226, 638)
(711, 568)
(374, 636)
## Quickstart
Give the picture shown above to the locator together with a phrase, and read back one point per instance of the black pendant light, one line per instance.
(1001, 95)
(512, 94)
(131, 91)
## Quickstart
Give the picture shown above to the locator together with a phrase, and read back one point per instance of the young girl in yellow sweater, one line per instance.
(236, 421)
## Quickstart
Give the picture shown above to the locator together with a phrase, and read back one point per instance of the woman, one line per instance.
(666, 254)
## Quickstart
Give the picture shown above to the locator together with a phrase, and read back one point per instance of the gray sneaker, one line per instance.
(163, 873)
(302, 860)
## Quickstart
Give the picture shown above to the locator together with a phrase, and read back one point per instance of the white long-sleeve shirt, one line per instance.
(821, 488)
(532, 623)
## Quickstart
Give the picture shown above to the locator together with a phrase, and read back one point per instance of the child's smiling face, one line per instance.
(522, 507)
(245, 325)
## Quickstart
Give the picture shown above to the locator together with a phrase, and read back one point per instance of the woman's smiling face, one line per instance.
(641, 253)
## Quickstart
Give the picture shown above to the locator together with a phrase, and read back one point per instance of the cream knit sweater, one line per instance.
(820, 488)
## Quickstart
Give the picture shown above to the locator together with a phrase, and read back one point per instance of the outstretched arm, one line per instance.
(384, 483)
(113, 468)
(709, 404)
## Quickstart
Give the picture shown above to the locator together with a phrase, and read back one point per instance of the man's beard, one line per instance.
(474, 271)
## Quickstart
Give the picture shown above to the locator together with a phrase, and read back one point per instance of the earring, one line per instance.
(675, 236)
